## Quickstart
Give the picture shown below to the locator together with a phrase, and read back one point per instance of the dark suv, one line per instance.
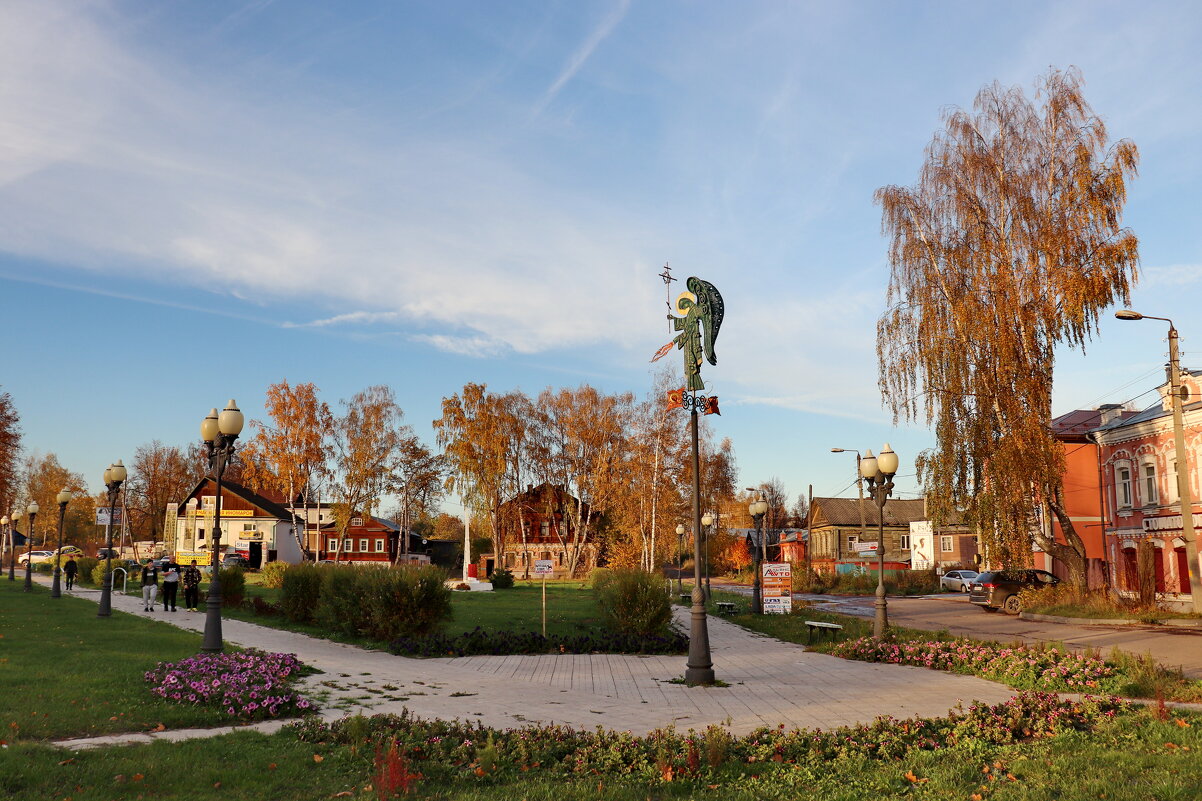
(998, 589)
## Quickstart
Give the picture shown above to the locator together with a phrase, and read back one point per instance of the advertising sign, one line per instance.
(102, 516)
(866, 548)
(185, 558)
(777, 588)
(544, 567)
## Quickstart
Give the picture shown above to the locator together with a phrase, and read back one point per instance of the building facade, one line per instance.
(835, 529)
(254, 526)
(539, 524)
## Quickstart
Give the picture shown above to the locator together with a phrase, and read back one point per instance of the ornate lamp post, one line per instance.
(33, 510)
(758, 508)
(1185, 499)
(12, 558)
(63, 499)
(708, 524)
(218, 433)
(878, 472)
(680, 558)
(114, 474)
(8, 533)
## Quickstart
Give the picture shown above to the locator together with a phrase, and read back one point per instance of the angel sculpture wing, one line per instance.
(712, 310)
(701, 310)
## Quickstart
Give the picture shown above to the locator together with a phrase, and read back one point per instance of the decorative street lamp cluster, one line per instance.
(32, 509)
(218, 432)
(114, 475)
(877, 473)
(758, 508)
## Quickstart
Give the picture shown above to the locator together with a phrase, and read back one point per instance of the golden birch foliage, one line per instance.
(1010, 244)
(290, 453)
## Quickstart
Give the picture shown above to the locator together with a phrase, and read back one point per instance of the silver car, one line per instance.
(958, 580)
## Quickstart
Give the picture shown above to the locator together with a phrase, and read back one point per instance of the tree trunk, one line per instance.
(1146, 566)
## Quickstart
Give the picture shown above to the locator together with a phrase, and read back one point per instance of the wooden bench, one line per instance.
(725, 607)
(686, 597)
(811, 625)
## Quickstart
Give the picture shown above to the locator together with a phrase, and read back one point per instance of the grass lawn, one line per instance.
(1135, 757)
(570, 610)
(65, 672)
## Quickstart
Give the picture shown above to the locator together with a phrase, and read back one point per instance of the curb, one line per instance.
(1180, 623)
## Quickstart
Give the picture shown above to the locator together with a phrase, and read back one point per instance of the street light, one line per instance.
(707, 521)
(32, 509)
(679, 558)
(8, 535)
(12, 556)
(114, 474)
(63, 499)
(218, 432)
(877, 473)
(758, 508)
(1185, 499)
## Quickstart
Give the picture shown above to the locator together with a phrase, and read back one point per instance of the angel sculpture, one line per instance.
(701, 308)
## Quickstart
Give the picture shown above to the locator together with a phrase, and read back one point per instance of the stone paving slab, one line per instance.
(771, 683)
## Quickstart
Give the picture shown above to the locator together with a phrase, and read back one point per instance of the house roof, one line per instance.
(266, 504)
(846, 511)
(535, 496)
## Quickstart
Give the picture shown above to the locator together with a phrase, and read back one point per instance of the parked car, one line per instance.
(71, 550)
(235, 560)
(958, 580)
(999, 589)
(35, 557)
(106, 553)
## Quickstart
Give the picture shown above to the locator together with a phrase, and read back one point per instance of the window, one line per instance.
(200, 533)
(346, 544)
(545, 530)
(208, 502)
(1122, 490)
(362, 546)
(946, 544)
(1149, 484)
(379, 546)
(250, 527)
(332, 544)
(903, 542)
(852, 540)
(356, 521)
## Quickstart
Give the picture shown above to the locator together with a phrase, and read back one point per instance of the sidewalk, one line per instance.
(771, 683)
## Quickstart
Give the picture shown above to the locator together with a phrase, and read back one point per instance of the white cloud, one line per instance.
(582, 53)
(1172, 275)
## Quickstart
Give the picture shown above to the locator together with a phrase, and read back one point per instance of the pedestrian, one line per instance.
(191, 586)
(150, 585)
(170, 585)
(70, 570)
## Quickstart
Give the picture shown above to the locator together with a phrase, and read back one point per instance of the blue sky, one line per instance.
(200, 199)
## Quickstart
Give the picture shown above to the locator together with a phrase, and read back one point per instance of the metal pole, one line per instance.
(106, 593)
(56, 590)
(713, 527)
(881, 623)
(700, 668)
(28, 551)
(212, 639)
(757, 598)
(12, 551)
(1184, 491)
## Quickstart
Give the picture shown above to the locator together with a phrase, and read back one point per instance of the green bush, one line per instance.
(634, 602)
(300, 589)
(273, 574)
(501, 579)
(339, 604)
(598, 576)
(404, 601)
(233, 586)
(86, 565)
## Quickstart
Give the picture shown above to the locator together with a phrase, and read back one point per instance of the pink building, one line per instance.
(1138, 470)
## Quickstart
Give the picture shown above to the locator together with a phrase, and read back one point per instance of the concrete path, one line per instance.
(771, 683)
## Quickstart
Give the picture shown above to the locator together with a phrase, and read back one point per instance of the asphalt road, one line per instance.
(952, 611)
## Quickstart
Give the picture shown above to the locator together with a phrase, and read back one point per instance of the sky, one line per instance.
(201, 199)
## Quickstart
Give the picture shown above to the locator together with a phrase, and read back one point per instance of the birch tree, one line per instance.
(158, 475)
(10, 453)
(1009, 245)
(367, 438)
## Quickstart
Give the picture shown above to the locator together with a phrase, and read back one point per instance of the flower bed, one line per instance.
(1026, 668)
(248, 685)
(455, 749)
(479, 642)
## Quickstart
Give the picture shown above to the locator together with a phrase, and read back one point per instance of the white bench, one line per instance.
(725, 607)
(811, 625)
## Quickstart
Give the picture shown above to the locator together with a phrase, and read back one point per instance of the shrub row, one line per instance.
(456, 749)
(381, 603)
(478, 642)
(633, 602)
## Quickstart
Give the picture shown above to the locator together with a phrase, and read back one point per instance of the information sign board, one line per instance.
(544, 567)
(777, 587)
(102, 516)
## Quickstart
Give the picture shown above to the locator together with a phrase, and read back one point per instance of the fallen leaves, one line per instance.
(910, 777)
(318, 758)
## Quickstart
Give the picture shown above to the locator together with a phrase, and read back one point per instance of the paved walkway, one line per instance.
(771, 683)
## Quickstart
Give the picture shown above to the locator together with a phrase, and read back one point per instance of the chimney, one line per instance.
(1109, 412)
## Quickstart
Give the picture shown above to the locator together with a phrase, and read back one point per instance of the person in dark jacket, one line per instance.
(191, 586)
(70, 570)
(170, 586)
(150, 586)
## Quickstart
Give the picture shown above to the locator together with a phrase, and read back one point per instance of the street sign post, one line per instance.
(102, 516)
(777, 588)
(544, 568)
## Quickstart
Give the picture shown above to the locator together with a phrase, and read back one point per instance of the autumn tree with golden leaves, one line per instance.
(1010, 244)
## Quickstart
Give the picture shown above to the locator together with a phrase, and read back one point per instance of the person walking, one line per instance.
(150, 585)
(70, 570)
(191, 586)
(170, 586)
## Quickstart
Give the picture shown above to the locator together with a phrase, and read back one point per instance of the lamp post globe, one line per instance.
(12, 557)
(63, 498)
(877, 473)
(679, 559)
(219, 431)
(757, 509)
(114, 475)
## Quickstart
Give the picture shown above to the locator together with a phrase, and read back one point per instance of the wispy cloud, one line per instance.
(578, 58)
(358, 317)
(1172, 275)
